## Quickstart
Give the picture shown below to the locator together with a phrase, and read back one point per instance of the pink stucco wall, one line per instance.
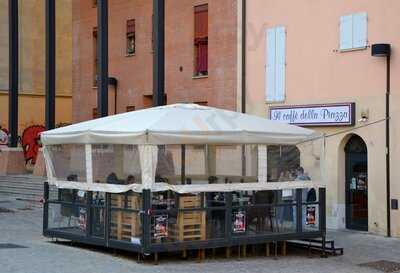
(316, 72)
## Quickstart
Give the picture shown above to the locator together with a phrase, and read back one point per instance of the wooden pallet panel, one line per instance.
(190, 225)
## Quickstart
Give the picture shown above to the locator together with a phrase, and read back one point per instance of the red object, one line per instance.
(30, 141)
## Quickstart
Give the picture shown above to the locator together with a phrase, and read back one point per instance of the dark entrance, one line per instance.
(356, 184)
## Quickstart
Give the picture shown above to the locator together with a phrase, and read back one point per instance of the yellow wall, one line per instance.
(32, 62)
(31, 110)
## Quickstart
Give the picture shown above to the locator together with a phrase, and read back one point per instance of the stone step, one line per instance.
(23, 186)
(22, 178)
(38, 187)
(28, 195)
(22, 182)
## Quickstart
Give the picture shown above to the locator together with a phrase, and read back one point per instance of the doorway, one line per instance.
(356, 184)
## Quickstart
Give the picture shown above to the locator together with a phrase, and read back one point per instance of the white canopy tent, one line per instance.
(171, 124)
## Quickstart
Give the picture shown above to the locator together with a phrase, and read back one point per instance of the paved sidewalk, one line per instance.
(23, 226)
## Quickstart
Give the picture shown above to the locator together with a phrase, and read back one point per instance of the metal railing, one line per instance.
(150, 222)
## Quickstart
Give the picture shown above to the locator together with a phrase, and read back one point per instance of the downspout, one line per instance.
(243, 76)
(244, 56)
(387, 116)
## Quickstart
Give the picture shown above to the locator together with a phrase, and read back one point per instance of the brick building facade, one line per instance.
(200, 54)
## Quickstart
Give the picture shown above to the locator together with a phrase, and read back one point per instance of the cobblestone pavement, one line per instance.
(23, 227)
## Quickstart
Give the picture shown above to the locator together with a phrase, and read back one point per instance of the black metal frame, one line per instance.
(13, 72)
(159, 52)
(102, 51)
(146, 212)
(50, 64)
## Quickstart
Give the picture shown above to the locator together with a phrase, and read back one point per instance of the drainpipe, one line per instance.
(159, 52)
(102, 65)
(243, 56)
(384, 50)
(388, 144)
(243, 64)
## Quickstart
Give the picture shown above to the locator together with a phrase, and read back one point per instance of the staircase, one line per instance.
(27, 187)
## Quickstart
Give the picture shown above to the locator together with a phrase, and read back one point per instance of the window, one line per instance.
(95, 56)
(130, 108)
(353, 31)
(201, 40)
(130, 37)
(275, 64)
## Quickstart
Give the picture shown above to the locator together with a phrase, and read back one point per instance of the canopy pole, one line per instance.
(89, 163)
(262, 163)
(183, 163)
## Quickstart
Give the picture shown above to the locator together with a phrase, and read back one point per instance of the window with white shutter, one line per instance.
(275, 64)
(353, 31)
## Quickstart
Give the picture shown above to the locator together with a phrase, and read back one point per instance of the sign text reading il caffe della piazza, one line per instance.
(338, 114)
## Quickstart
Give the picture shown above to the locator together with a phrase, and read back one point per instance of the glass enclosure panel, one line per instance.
(283, 163)
(263, 220)
(165, 227)
(169, 164)
(295, 163)
(310, 217)
(286, 218)
(163, 200)
(207, 164)
(72, 196)
(196, 169)
(188, 223)
(242, 198)
(215, 223)
(311, 159)
(234, 163)
(98, 221)
(210, 164)
(99, 199)
(214, 199)
(228, 162)
(125, 225)
(129, 200)
(265, 197)
(309, 195)
(68, 161)
(67, 218)
(116, 164)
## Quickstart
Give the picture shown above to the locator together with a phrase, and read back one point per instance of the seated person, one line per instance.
(112, 178)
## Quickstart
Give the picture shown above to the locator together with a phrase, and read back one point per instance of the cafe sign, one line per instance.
(336, 114)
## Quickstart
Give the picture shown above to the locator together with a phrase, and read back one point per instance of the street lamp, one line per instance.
(384, 50)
